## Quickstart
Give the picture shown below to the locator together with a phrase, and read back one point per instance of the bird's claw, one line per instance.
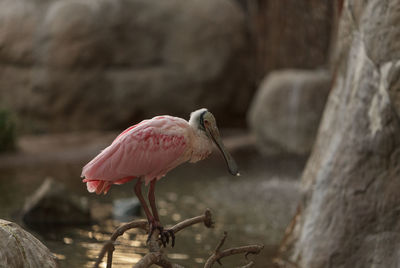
(164, 235)
(170, 233)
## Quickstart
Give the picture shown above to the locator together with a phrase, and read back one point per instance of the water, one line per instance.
(254, 208)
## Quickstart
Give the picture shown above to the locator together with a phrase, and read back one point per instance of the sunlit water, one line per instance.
(254, 208)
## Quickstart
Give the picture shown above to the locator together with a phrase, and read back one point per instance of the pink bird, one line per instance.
(148, 150)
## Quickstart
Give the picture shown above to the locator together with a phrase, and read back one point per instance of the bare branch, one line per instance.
(141, 224)
(218, 255)
(148, 260)
(156, 256)
(221, 243)
(154, 244)
(167, 264)
(110, 252)
(250, 249)
(206, 218)
(109, 245)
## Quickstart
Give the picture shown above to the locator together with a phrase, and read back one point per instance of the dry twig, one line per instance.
(108, 246)
(206, 218)
(218, 254)
(154, 244)
(156, 256)
(149, 259)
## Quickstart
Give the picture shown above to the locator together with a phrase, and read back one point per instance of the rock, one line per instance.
(53, 205)
(19, 22)
(125, 209)
(350, 209)
(21, 249)
(72, 65)
(286, 110)
(287, 38)
(7, 131)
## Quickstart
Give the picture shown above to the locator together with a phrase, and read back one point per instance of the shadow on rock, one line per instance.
(52, 205)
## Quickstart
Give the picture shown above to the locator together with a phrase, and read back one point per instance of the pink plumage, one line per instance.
(149, 149)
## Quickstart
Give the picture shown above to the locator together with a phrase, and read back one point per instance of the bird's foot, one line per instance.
(164, 234)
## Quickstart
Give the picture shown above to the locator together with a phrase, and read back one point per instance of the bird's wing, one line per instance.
(151, 149)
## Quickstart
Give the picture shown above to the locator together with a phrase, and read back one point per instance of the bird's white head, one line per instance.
(195, 116)
(205, 121)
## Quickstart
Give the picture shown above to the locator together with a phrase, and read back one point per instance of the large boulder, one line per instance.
(287, 108)
(20, 249)
(52, 205)
(349, 214)
(104, 64)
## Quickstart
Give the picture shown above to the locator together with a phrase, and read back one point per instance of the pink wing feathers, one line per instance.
(149, 149)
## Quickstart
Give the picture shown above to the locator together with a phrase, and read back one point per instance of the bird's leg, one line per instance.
(164, 234)
(152, 201)
(138, 192)
(153, 223)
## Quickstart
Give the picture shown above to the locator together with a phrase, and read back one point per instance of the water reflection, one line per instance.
(178, 256)
(254, 208)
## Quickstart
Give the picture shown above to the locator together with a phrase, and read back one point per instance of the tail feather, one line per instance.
(99, 174)
(97, 186)
(101, 186)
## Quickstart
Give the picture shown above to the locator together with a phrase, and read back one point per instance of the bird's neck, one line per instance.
(201, 145)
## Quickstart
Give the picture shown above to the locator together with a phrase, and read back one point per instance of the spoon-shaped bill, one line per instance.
(230, 162)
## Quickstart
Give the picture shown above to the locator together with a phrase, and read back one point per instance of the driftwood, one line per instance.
(156, 255)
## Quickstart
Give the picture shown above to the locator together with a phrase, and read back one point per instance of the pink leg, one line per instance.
(138, 192)
(164, 234)
(152, 200)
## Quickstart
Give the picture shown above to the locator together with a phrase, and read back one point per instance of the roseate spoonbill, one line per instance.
(148, 150)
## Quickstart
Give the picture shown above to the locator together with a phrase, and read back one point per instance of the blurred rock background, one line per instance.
(81, 65)
(101, 65)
